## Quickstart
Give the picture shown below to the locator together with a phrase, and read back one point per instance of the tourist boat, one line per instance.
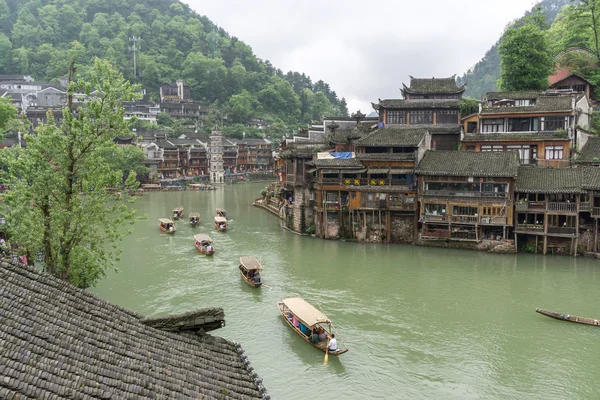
(221, 212)
(305, 320)
(220, 223)
(202, 243)
(166, 225)
(249, 268)
(567, 317)
(194, 219)
(200, 186)
(178, 212)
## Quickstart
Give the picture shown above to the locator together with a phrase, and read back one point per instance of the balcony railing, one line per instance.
(595, 211)
(584, 206)
(529, 228)
(374, 204)
(403, 206)
(434, 218)
(562, 207)
(333, 206)
(562, 230)
(493, 220)
(453, 193)
(464, 219)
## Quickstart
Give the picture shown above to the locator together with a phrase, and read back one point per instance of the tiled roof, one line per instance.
(549, 180)
(59, 341)
(165, 144)
(591, 178)
(590, 152)
(337, 163)
(386, 156)
(522, 95)
(543, 104)
(394, 136)
(415, 104)
(468, 163)
(498, 137)
(434, 85)
(563, 74)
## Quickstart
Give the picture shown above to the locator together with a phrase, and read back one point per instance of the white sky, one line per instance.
(366, 50)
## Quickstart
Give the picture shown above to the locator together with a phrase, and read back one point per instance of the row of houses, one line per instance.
(193, 154)
(519, 172)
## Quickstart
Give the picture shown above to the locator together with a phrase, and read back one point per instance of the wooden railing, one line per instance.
(562, 230)
(404, 206)
(434, 218)
(585, 206)
(492, 220)
(466, 219)
(562, 207)
(529, 228)
(453, 193)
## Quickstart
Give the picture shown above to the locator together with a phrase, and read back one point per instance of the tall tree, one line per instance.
(526, 60)
(589, 11)
(59, 203)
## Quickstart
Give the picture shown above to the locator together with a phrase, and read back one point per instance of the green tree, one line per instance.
(526, 60)
(589, 12)
(59, 203)
(242, 106)
(164, 119)
(8, 112)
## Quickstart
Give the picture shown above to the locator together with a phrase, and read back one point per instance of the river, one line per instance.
(421, 323)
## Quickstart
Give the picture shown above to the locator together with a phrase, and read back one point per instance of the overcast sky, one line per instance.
(366, 50)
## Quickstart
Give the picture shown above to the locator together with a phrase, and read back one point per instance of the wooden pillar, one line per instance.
(545, 233)
(389, 226)
(325, 220)
(379, 229)
(415, 227)
(595, 235)
(516, 247)
(545, 248)
(536, 243)
(477, 233)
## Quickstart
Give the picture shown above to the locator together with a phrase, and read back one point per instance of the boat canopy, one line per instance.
(165, 221)
(178, 209)
(220, 219)
(221, 210)
(195, 215)
(305, 312)
(250, 263)
(200, 237)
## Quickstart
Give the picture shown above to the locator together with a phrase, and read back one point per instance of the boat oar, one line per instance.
(326, 354)
(264, 284)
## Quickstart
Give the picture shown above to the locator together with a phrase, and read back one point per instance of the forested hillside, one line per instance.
(40, 37)
(484, 76)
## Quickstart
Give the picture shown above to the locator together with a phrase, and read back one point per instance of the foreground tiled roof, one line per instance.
(498, 137)
(549, 180)
(591, 178)
(434, 85)
(521, 95)
(590, 152)
(407, 136)
(58, 341)
(415, 104)
(468, 163)
(543, 104)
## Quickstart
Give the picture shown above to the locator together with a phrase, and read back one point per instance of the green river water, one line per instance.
(421, 323)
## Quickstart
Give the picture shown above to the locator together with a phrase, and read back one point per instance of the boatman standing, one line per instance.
(332, 344)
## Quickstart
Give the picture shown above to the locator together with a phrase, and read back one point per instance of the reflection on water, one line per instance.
(420, 323)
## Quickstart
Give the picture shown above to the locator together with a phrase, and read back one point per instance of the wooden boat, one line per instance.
(568, 317)
(305, 320)
(200, 186)
(220, 223)
(202, 244)
(177, 213)
(221, 212)
(194, 219)
(166, 225)
(250, 268)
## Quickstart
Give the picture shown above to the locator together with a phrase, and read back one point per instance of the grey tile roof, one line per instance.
(407, 136)
(337, 163)
(590, 152)
(498, 137)
(522, 95)
(386, 156)
(591, 178)
(59, 341)
(165, 144)
(434, 85)
(549, 180)
(468, 163)
(543, 104)
(415, 104)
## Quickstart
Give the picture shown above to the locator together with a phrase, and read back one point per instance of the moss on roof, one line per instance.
(590, 152)
(549, 180)
(521, 95)
(543, 104)
(406, 136)
(468, 163)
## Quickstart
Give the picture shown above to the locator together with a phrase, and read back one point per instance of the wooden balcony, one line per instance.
(489, 220)
(584, 206)
(494, 196)
(377, 204)
(567, 231)
(402, 206)
(434, 218)
(529, 228)
(334, 206)
(596, 212)
(464, 219)
(562, 207)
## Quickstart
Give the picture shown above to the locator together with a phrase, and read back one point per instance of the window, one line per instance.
(459, 210)
(447, 116)
(491, 211)
(554, 152)
(395, 117)
(519, 124)
(554, 123)
(421, 117)
(521, 103)
(527, 153)
(471, 148)
(435, 209)
(495, 187)
(492, 125)
(488, 147)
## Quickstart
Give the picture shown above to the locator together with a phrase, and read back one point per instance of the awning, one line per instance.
(354, 171)
(378, 171)
(311, 170)
(331, 171)
(402, 171)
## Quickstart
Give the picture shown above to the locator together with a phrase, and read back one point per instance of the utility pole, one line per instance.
(134, 49)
